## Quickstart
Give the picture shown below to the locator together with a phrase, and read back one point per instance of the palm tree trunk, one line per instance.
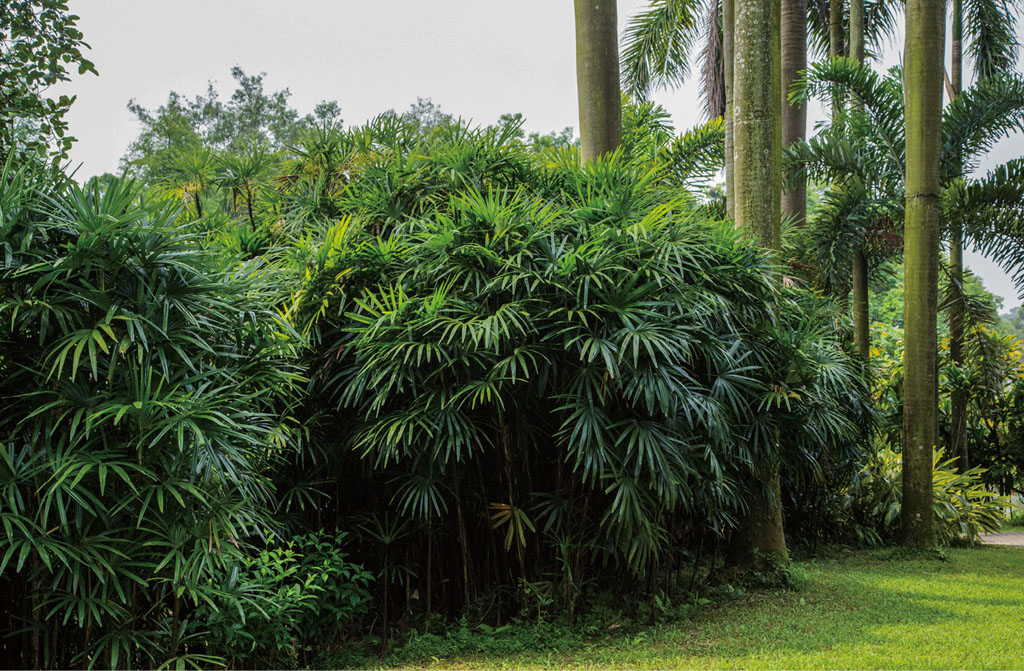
(835, 49)
(861, 329)
(923, 54)
(857, 30)
(728, 21)
(757, 127)
(861, 303)
(597, 78)
(757, 168)
(794, 117)
(957, 400)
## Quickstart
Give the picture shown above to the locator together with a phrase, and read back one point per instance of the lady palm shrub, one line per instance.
(541, 369)
(145, 393)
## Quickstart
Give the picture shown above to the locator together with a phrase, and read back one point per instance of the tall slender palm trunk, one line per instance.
(923, 57)
(861, 329)
(757, 112)
(728, 20)
(794, 117)
(958, 400)
(836, 45)
(757, 169)
(597, 77)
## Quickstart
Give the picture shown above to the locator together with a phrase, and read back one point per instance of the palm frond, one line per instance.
(882, 97)
(990, 211)
(979, 117)
(698, 155)
(989, 28)
(657, 45)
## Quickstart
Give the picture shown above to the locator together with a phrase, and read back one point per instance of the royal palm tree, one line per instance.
(728, 43)
(989, 26)
(757, 170)
(923, 54)
(794, 116)
(597, 78)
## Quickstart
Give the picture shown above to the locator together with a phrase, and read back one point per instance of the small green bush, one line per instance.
(964, 509)
(285, 601)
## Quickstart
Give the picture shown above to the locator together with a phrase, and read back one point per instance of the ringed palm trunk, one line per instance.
(597, 78)
(923, 55)
(958, 400)
(861, 330)
(757, 169)
(757, 129)
(835, 49)
(728, 19)
(794, 117)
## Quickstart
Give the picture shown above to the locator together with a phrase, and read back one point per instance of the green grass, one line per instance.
(867, 610)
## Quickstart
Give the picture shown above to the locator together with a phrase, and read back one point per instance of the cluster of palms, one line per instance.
(144, 392)
(188, 173)
(576, 349)
(861, 155)
(492, 365)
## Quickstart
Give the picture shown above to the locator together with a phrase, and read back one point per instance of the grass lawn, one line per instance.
(860, 611)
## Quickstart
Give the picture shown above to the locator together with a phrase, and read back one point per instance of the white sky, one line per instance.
(475, 58)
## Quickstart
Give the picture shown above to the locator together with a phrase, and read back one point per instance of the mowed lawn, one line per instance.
(861, 611)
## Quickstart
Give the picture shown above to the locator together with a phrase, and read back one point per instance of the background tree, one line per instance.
(187, 173)
(990, 26)
(39, 41)
(243, 174)
(1014, 320)
(251, 116)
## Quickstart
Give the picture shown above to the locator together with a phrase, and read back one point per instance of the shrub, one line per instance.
(287, 600)
(142, 389)
(964, 509)
(565, 369)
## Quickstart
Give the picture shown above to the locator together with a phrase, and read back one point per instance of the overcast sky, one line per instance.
(475, 58)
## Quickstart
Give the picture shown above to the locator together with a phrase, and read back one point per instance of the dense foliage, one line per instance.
(39, 41)
(286, 382)
(522, 375)
(144, 388)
